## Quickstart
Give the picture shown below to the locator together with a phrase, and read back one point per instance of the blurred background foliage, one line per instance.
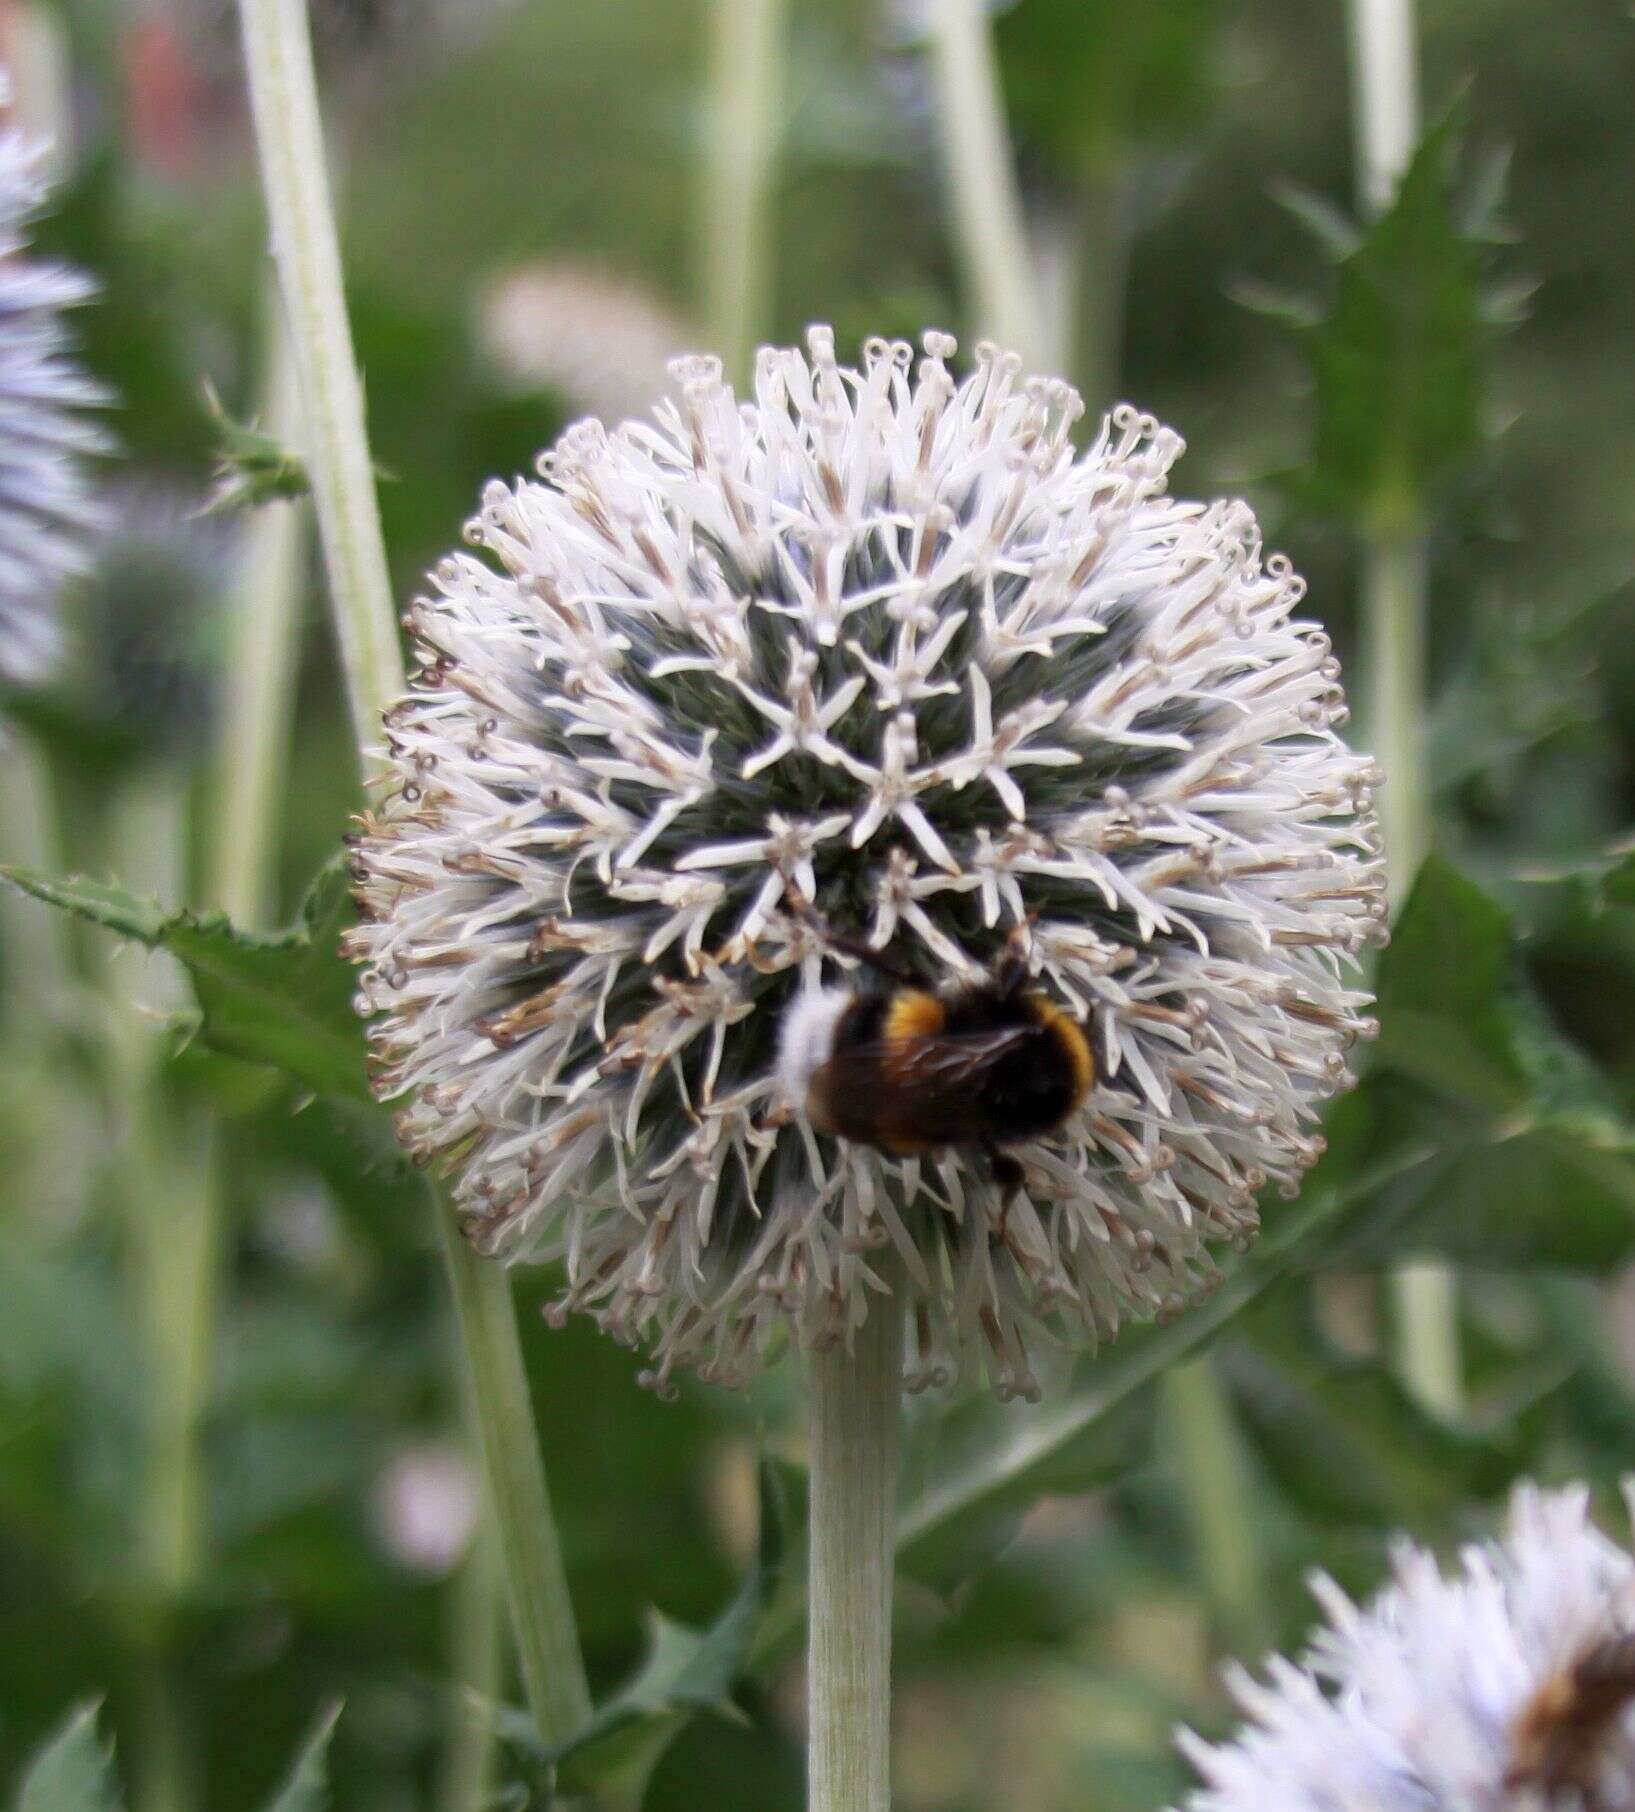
(1467, 360)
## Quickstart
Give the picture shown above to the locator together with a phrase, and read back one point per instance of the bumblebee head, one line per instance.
(806, 1039)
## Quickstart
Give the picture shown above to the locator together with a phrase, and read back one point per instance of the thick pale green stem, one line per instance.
(1219, 1503)
(855, 1401)
(989, 224)
(541, 1610)
(284, 100)
(307, 257)
(745, 115)
(260, 671)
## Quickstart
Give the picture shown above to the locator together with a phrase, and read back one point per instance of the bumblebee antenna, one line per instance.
(843, 945)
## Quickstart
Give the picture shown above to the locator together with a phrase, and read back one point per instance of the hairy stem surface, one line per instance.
(855, 1404)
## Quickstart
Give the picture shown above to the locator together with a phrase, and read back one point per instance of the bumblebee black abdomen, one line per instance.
(914, 1071)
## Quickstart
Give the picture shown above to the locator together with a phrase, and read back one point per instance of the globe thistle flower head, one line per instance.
(46, 509)
(149, 619)
(875, 647)
(1508, 1686)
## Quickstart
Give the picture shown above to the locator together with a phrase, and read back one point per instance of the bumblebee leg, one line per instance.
(842, 945)
(1008, 1177)
(1010, 969)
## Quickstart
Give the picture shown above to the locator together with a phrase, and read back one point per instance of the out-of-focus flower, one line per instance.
(1506, 1687)
(149, 615)
(426, 1503)
(880, 641)
(603, 344)
(46, 428)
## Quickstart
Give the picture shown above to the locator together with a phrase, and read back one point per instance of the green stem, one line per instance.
(307, 257)
(1393, 598)
(306, 253)
(260, 671)
(855, 1400)
(470, 1755)
(1393, 595)
(1218, 1494)
(168, 1186)
(38, 954)
(735, 280)
(541, 1611)
(1385, 110)
(989, 224)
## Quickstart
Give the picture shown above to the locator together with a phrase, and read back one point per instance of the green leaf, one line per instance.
(73, 1772)
(1441, 989)
(686, 1671)
(1039, 1449)
(252, 467)
(307, 1787)
(283, 1000)
(1512, 1149)
(1344, 1439)
(1089, 81)
(1397, 359)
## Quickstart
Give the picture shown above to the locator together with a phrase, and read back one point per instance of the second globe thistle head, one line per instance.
(1505, 1686)
(877, 642)
(47, 425)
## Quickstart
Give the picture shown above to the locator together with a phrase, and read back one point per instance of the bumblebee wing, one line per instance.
(922, 1091)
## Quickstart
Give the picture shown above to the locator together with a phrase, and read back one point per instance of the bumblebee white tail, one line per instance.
(806, 1039)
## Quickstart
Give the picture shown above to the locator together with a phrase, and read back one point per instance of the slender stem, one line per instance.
(470, 1754)
(1219, 1498)
(735, 281)
(1385, 108)
(39, 956)
(542, 1613)
(855, 1402)
(307, 256)
(1384, 95)
(284, 101)
(988, 218)
(167, 1188)
(260, 671)
(1393, 600)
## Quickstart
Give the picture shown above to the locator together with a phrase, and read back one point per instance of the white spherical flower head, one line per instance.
(873, 658)
(1507, 1687)
(46, 510)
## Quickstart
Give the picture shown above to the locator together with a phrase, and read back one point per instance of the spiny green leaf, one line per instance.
(686, 1671)
(73, 1772)
(252, 467)
(307, 1787)
(1397, 358)
(283, 1000)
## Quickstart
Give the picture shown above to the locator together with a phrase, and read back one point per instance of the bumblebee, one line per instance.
(909, 1068)
(1561, 1741)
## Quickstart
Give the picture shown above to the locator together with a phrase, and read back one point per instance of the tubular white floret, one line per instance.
(1422, 1700)
(879, 640)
